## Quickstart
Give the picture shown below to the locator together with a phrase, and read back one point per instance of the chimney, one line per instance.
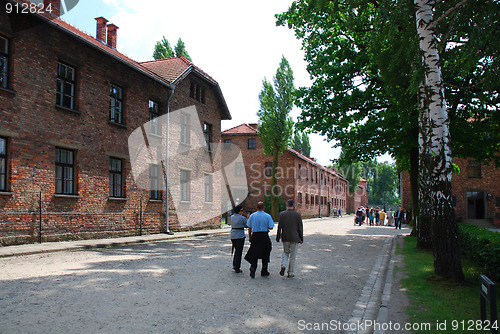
(253, 125)
(101, 29)
(53, 6)
(112, 35)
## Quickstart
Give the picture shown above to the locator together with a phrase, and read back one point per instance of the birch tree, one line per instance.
(435, 149)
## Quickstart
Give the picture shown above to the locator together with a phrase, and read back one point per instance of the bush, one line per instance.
(482, 246)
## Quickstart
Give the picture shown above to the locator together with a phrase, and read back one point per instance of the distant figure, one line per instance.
(340, 212)
(259, 223)
(238, 225)
(398, 215)
(382, 217)
(290, 230)
(390, 218)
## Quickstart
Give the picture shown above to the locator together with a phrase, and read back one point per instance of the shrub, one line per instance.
(482, 246)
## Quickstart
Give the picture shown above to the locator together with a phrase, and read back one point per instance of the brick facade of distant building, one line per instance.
(316, 190)
(68, 104)
(476, 192)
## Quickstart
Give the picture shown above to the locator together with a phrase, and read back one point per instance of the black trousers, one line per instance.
(253, 265)
(238, 251)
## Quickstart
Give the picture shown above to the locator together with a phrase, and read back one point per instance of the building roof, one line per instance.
(242, 129)
(247, 129)
(176, 69)
(92, 41)
(166, 71)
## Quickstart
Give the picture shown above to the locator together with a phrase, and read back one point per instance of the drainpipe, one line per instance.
(167, 229)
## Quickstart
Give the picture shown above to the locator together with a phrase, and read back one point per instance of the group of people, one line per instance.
(376, 216)
(290, 232)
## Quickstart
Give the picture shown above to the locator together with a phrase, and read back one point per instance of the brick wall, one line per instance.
(486, 187)
(34, 126)
(328, 195)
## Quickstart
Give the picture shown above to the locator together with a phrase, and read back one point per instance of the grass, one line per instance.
(434, 301)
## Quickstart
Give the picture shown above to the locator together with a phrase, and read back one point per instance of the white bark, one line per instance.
(437, 120)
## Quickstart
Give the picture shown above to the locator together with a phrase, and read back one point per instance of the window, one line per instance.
(299, 198)
(185, 191)
(197, 92)
(116, 104)
(115, 178)
(268, 169)
(208, 188)
(65, 171)
(154, 182)
(65, 88)
(154, 112)
(474, 169)
(207, 134)
(227, 144)
(307, 174)
(3, 164)
(239, 169)
(252, 143)
(307, 198)
(4, 62)
(312, 175)
(300, 172)
(184, 128)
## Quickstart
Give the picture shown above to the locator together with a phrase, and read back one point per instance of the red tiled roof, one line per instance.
(65, 26)
(251, 129)
(241, 129)
(173, 68)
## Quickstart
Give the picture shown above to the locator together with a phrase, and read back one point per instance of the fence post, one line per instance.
(140, 217)
(40, 216)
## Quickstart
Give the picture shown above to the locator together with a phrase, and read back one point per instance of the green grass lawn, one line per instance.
(438, 302)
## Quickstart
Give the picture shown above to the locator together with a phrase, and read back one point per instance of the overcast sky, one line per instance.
(236, 42)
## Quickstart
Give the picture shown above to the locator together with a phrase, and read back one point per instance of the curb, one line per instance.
(51, 247)
(374, 294)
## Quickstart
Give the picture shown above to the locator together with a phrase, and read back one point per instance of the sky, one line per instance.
(235, 42)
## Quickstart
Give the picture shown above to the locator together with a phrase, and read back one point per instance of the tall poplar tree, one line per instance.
(275, 122)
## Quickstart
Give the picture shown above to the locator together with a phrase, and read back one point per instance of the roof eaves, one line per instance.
(136, 66)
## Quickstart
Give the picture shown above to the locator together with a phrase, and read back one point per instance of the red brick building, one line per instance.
(316, 190)
(68, 104)
(476, 192)
(358, 198)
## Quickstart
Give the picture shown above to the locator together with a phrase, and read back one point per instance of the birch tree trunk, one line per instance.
(435, 153)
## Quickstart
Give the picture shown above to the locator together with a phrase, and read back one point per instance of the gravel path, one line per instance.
(187, 286)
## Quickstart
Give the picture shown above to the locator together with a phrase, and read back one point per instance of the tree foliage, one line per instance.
(301, 142)
(180, 49)
(163, 49)
(275, 123)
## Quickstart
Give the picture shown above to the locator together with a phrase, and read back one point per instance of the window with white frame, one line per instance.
(65, 171)
(184, 129)
(65, 88)
(4, 62)
(116, 104)
(3, 164)
(185, 185)
(154, 113)
(154, 182)
(115, 178)
(208, 188)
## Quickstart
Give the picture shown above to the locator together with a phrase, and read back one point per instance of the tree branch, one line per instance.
(448, 12)
(465, 87)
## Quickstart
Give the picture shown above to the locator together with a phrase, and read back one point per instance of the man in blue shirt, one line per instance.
(238, 224)
(259, 224)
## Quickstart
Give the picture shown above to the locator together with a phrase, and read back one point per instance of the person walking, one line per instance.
(291, 232)
(238, 225)
(382, 217)
(397, 218)
(259, 224)
(390, 217)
